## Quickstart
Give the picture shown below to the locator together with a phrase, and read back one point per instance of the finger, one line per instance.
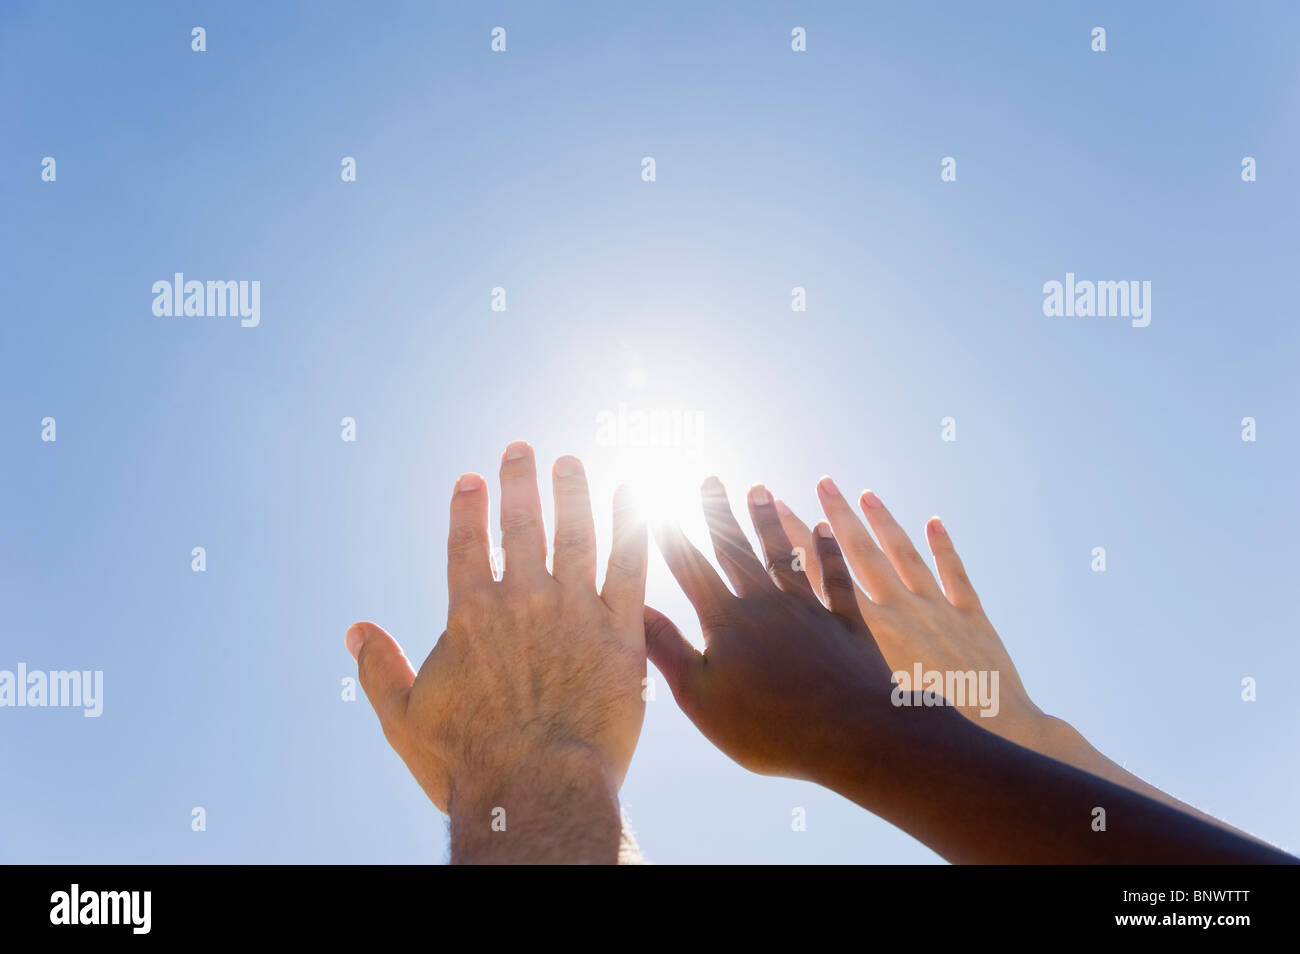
(736, 557)
(837, 582)
(956, 584)
(383, 670)
(671, 652)
(865, 558)
(907, 563)
(624, 589)
(574, 560)
(694, 574)
(801, 538)
(781, 562)
(803, 545)
(469, 560)
(523, 537)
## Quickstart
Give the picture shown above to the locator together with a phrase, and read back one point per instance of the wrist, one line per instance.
(890, 749)
(557, 805)
(1055, 738)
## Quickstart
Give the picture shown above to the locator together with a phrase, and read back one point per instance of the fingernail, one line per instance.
(938, 526)
(824, 529)
(713, 485)
(869, 499)
(354, 639)
(828, 486)
(468, 482)
(759, 496)
(567, 466)
(517, 449)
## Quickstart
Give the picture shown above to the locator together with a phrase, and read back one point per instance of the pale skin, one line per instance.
(792, 682)
(521, 723)
(915, 619)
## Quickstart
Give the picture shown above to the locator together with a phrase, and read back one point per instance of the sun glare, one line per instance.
(665, 482)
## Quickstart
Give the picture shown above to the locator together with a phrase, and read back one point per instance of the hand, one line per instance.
(785, 684)
(914, 622)
(789, 686)
(531, 701)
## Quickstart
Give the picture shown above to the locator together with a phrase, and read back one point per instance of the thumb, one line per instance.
(670, 651)
(385, 674)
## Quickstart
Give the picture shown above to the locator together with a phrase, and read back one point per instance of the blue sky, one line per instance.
(522, 170)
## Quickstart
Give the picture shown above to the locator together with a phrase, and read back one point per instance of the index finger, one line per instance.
(469, 563)
(694, 573)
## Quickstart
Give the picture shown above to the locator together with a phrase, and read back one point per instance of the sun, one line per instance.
(664, 481)
(661, 448)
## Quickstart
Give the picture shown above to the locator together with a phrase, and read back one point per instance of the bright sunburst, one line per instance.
(665, 481)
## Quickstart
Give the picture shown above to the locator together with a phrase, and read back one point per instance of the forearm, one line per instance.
(1065, 743)
(556, 808)
(974, 797)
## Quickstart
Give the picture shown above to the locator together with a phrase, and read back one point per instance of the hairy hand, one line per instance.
(535, 687)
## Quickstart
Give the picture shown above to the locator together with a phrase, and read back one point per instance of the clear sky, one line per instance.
(523, 170)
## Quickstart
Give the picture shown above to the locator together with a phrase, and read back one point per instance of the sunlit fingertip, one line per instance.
(568, 466)
(355, 638)
(469, 483)
(516, 450)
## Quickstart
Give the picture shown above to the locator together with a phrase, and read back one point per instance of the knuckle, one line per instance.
(468, 611)
(571, 485)
(569, 540)
(914, 559)
(625, 564)
(462, 538)
(539, 601)
(714, 617)
(518, 520)
(836, 575)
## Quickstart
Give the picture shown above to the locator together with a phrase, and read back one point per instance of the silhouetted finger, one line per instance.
(837, 582)
(783, 564)
(736, 557)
